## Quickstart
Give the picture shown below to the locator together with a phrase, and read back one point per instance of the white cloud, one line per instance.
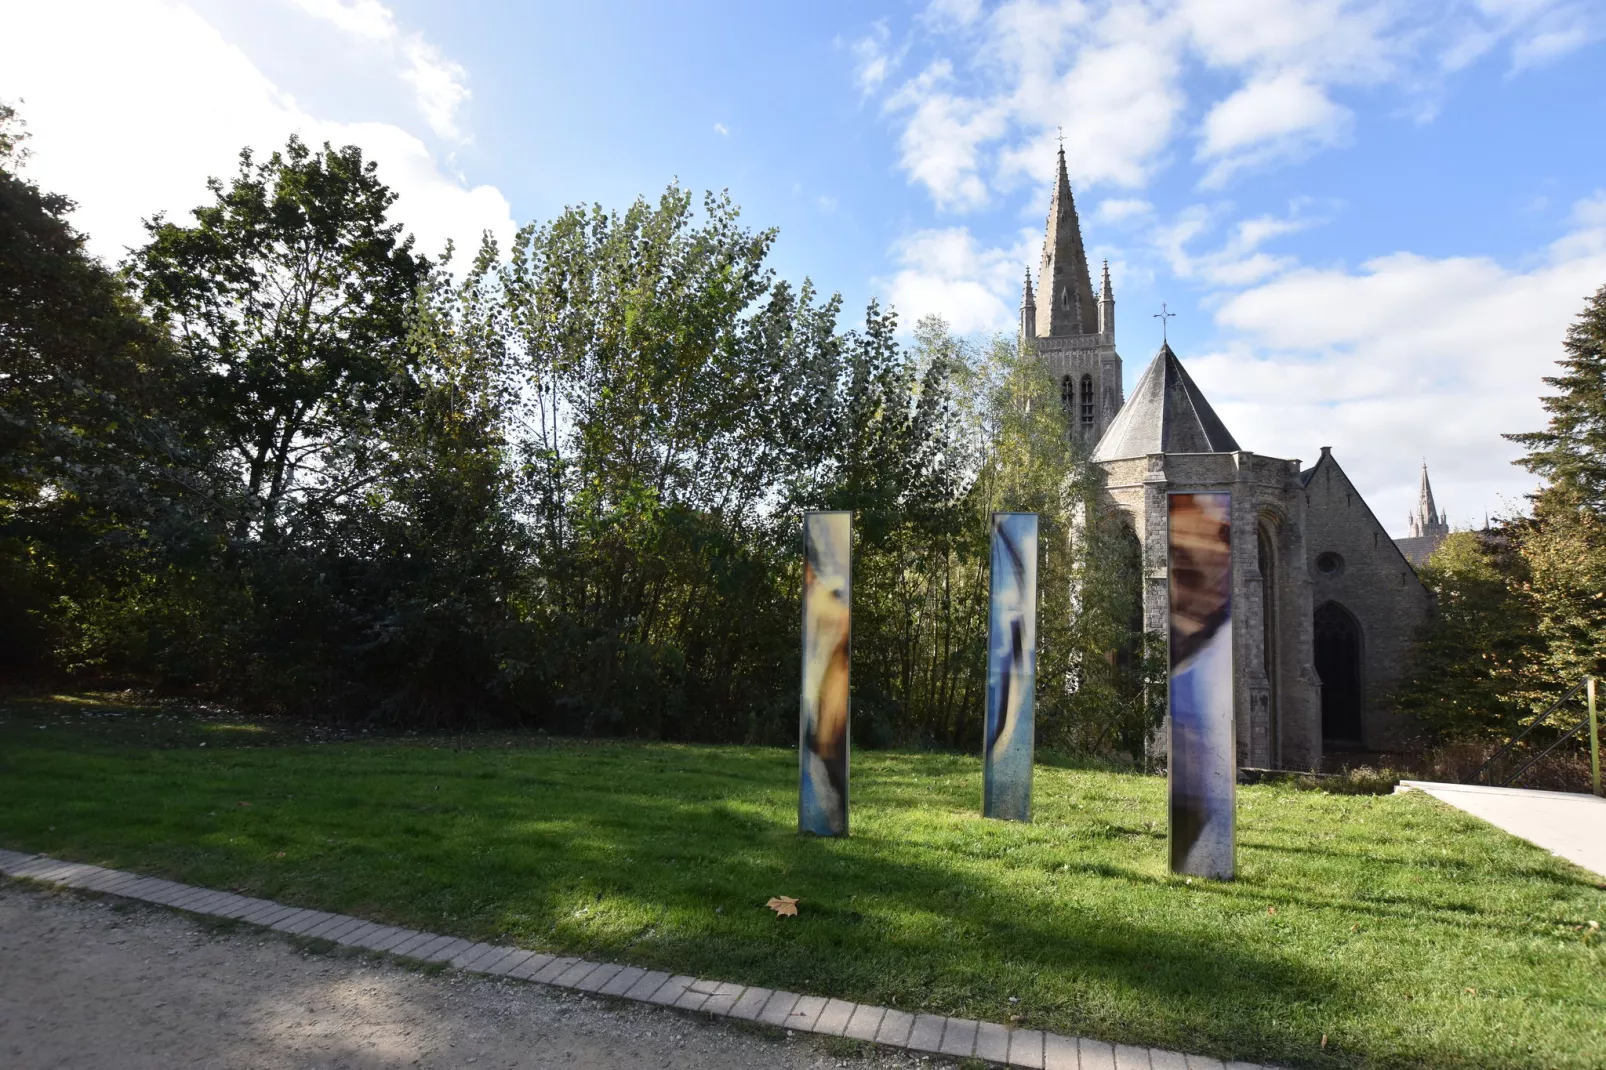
(1341, 39)
(982, 113)
(144, 100)
(1548, 44)
(367, 20)
(1543, 29)
(1282, 115)
(941, 145)
(954, 12)
(1406, 358)
(871, 61)
(437, 82)
(1590, 213)
(1239, 260)
(1118, 105)
(1118, 210)
(721, 130)
(949, 274)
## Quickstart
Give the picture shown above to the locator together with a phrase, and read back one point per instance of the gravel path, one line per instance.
(103, 982)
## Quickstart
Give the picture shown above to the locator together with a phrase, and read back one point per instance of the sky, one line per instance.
(1374, 220)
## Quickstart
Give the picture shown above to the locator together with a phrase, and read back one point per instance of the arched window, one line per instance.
(1265, 546)
(1068, 394)
(1087, 402)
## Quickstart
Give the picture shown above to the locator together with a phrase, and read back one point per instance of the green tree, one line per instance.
(668, 379)
(1571, 453)
(404, 603)
(1097, 689)
(1565, 545)
(101, 480)
(290, 297)
(1476, 662)
(1564, 550)
(894, 448)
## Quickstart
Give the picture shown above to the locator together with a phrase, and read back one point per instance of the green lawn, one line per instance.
(1407, 933)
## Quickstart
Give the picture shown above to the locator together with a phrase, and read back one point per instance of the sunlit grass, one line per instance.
(1407, 933)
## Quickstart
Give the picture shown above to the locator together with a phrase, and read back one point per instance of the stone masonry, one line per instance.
(1318, 584)
(1356, 566)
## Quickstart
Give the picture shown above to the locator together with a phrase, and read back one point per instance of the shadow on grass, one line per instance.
(663, 856)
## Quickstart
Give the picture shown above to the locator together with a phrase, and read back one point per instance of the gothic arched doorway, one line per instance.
(1338, 663)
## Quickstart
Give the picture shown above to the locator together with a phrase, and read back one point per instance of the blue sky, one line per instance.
(1375, 220)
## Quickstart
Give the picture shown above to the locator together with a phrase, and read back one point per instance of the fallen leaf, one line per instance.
(242, 804)
(1271, 910)
(1324, 1040)
(1472, 991)
(1355, 928)
(783, 905)
(279, 855)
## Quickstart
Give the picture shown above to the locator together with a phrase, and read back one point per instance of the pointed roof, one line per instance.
(1068, 307)
(1425, 520)
(1424, 499)
(1027, 299)
(1167, 413)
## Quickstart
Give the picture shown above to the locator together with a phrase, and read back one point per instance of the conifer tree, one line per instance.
(1564, 546)
(1571, 453)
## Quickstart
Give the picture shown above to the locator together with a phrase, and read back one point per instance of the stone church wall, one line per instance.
(1374, 582)
(1277, 712)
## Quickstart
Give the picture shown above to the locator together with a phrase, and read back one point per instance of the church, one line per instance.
(1325, 603)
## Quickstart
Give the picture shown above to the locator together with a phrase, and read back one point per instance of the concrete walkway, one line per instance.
(955, 1037)
(1566, 824)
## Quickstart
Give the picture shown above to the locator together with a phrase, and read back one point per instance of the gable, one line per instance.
(1339, 520)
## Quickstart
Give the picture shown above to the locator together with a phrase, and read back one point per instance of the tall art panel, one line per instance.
(1202, 767)
(822, 807)
(1010, 726)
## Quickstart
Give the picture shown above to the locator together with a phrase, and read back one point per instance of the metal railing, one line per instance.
(1589, 723)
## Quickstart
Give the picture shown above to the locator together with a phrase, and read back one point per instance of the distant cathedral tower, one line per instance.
(1425, 522)
(1426, 527)
(1068, 325)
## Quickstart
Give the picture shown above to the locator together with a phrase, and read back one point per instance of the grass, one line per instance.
(1402, 931)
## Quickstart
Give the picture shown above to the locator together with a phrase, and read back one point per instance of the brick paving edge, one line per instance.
(888, 1027)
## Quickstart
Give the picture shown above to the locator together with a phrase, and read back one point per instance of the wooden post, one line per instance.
(1594, 735)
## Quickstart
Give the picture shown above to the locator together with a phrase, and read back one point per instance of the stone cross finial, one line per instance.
(1162, 316)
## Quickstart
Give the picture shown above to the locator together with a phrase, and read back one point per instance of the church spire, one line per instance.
(1028, 308)
(1068, 306)
(1426, 520)
(1106, 304)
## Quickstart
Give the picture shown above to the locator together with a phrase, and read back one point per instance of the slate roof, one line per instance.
(1166, 413)
(1417, 550)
